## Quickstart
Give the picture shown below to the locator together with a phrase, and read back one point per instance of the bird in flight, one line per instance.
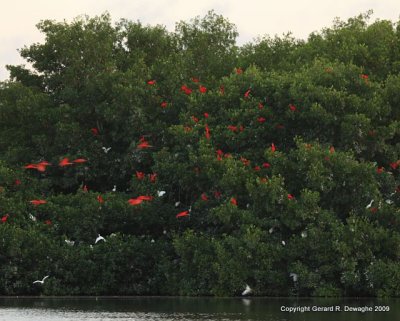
(247, 290)
(41, 281)
(37, 202)
(64, 162)
(106, 149)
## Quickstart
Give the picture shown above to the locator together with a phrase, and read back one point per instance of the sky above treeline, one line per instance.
(253, 18)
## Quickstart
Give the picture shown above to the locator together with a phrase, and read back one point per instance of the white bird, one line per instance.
(369, 205)
(32, 217)
(303, 234)
(41, 281)
(100, 238)
(283, 243)
(177, 204)
(161, 193)
(271, 230)
(294, 276)
(114, 188)
(70, 243)
(388, 201)
(106, 149)
(247, 291)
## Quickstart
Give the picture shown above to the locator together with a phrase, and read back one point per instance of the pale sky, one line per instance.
(252, 17)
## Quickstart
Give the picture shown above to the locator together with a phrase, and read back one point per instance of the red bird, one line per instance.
(195, 119)
(260, 106)
(266, 165)
(37, 202)
(151, 82)
(164, 104)
(232, 128)
(257, 168)
(182, 214)
(380, 170)
(47, 222)
(143, 143)
(64, 162)
(204, 197)
(145, 197)
(206, 115)
(207, 132)
(247, 93)
(41, 166)
(292, 107)
(290, 196)
(202, 89)
(79, 160)
(196, 80)
(273, 148)
(245, 161)
(135, 201)
(5, 218)
(217, 194)
(153, 177)
(100, 199)
(261, 120)
(394, 165)
(139, 175)
(234, 201)
(239, 71)
(94, 131)
(17, 182)
(186, 90)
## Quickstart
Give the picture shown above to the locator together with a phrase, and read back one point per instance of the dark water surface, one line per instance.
(194, 309)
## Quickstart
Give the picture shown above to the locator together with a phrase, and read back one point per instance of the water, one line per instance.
(191, 309)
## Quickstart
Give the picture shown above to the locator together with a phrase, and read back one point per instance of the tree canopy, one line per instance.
(205, 165)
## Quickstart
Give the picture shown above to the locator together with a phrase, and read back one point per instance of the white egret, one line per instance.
(41, 281)
(161, 193)
(100, 238)
(369, 205)
(283, 243)
(114, 188)
(70, 243)
(294, 276)
(106, 149)
(247, 291)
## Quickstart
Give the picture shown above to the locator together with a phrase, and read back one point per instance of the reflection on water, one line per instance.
(189, 309)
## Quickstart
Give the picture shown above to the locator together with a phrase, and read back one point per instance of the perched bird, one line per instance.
(70, 243)
(283, 243)
(247, 291)
(161, 193)
(114, 188)
(177, 204)
(99, 238)
(369, 205)
(5, 218)
(151, 82)
(303, 234)
(294, 276)
(234, 201)
(79, 160)
(106, 149)
(41, 281)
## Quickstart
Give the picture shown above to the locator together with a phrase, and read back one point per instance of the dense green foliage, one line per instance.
(277, 147)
